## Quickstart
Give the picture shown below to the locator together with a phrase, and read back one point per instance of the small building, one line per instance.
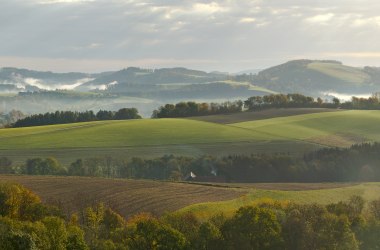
(211, 178)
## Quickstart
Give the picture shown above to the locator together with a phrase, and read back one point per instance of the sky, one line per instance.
(228, 36)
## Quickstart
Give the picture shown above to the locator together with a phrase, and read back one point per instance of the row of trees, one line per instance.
(62, 117)
(358, 163)
(186, 109)
(256, 103)
(372, 102)
(267, 225)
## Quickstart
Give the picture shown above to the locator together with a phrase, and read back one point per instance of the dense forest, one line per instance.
(26, 223)
(62, 117)
(357, 163)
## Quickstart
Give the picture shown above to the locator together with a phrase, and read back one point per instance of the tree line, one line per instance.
(62, 117)
(300, 101)
(26, 223)
(186, 109)
(257, 103)
(358, 163)
(254, 103)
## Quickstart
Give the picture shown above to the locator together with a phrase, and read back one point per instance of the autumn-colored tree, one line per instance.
(16, 200)
(148, 233)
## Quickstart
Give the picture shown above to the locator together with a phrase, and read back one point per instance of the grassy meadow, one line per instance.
(320, 194)
(336, 129)
(105, 134)
(284, 132)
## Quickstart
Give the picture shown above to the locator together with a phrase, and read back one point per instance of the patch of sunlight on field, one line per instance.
(347, 126)
(342, 72)
(369, 191)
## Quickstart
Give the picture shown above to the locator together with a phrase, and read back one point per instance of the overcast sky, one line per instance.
(101, 35)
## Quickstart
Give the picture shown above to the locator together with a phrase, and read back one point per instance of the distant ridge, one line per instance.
(309, 77)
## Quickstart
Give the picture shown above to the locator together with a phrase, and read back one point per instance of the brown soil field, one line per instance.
(127, 197)
(259, 115)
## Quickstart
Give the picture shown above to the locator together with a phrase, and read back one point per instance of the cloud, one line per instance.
(373, 54)
(208, 8)
(206, 34)
(63, 1)
(321, 19)
(361, 21)
(247, 20)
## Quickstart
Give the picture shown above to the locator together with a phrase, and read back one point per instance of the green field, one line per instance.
(294, 134)
(339, 129)
(369, 191)
(124, 133)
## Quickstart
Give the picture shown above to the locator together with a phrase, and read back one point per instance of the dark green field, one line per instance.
(260, 115)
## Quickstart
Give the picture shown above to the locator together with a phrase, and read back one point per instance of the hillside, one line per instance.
(105, 134)
(329, 128)
(294, 134)
(137, 76)
(317, 77)
(148, 132)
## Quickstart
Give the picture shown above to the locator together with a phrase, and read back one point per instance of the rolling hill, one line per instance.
(335, 129)
(294, 134)
(149, 132)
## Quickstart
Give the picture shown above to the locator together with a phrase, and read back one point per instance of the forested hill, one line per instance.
(134, 75)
